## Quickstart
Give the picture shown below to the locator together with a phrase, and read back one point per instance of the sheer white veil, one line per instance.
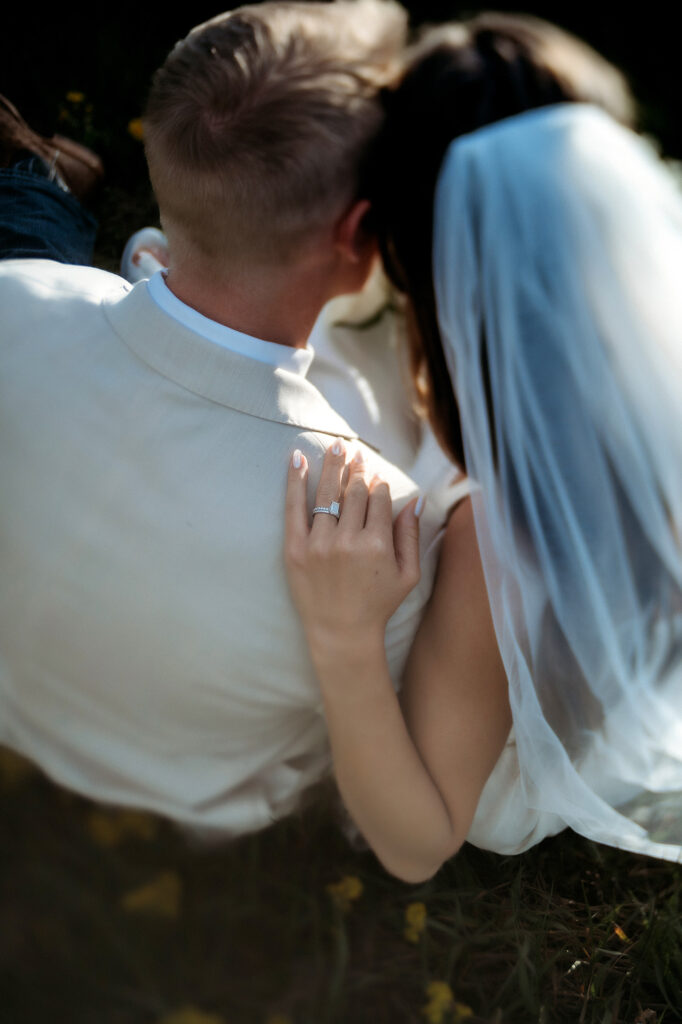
(558, 276)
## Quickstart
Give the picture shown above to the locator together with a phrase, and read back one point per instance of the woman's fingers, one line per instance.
(379, 508)
(347, 577)
(367, 509)
(296, 513)
(355, 496)
(329, 488)
(406, 541)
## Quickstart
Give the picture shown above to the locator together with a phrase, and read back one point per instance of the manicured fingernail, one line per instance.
(297, 459)
(337, 447)
(419, 507)
(359, 457)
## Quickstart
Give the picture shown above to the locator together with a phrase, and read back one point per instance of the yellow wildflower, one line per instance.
(415, 921)
(109, 828)
(189, 1015)
(440, 999)
(462, 1012)
(345, 892)
(75, 97)
(161, 896)
(136, 129)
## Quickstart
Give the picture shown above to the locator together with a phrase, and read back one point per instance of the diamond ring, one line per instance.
(333, 509)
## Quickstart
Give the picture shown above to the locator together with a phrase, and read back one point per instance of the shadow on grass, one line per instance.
(118, 918)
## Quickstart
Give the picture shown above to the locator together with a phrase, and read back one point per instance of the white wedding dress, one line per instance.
(558, 274)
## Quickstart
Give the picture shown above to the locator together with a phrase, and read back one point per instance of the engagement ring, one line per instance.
(333, 509)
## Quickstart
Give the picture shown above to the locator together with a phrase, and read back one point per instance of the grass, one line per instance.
(120, 919)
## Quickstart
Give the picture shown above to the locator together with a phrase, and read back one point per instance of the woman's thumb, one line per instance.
(406, 539)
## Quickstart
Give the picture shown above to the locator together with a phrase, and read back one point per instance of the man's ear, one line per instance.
(353, 238)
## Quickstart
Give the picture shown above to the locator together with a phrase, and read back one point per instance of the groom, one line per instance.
(149, 652)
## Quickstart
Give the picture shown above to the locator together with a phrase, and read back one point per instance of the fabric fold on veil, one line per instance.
(557, 264)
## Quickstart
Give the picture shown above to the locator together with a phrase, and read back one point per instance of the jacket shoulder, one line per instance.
(44, 279)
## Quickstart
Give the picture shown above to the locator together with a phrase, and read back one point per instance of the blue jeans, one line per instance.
(39, 219)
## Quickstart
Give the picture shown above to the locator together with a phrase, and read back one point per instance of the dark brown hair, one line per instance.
(460, 77)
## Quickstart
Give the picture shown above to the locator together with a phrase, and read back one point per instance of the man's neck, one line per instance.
(281, 308)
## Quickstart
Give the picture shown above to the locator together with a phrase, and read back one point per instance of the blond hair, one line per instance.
(257, 123)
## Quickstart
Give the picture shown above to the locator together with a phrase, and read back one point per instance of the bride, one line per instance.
(539, 242)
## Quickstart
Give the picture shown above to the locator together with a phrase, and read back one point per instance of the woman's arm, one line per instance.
(411, 780)
(455, 695)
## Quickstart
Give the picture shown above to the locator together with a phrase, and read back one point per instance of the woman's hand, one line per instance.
(348, 577)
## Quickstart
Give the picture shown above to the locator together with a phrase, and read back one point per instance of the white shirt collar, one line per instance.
(295, 360)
